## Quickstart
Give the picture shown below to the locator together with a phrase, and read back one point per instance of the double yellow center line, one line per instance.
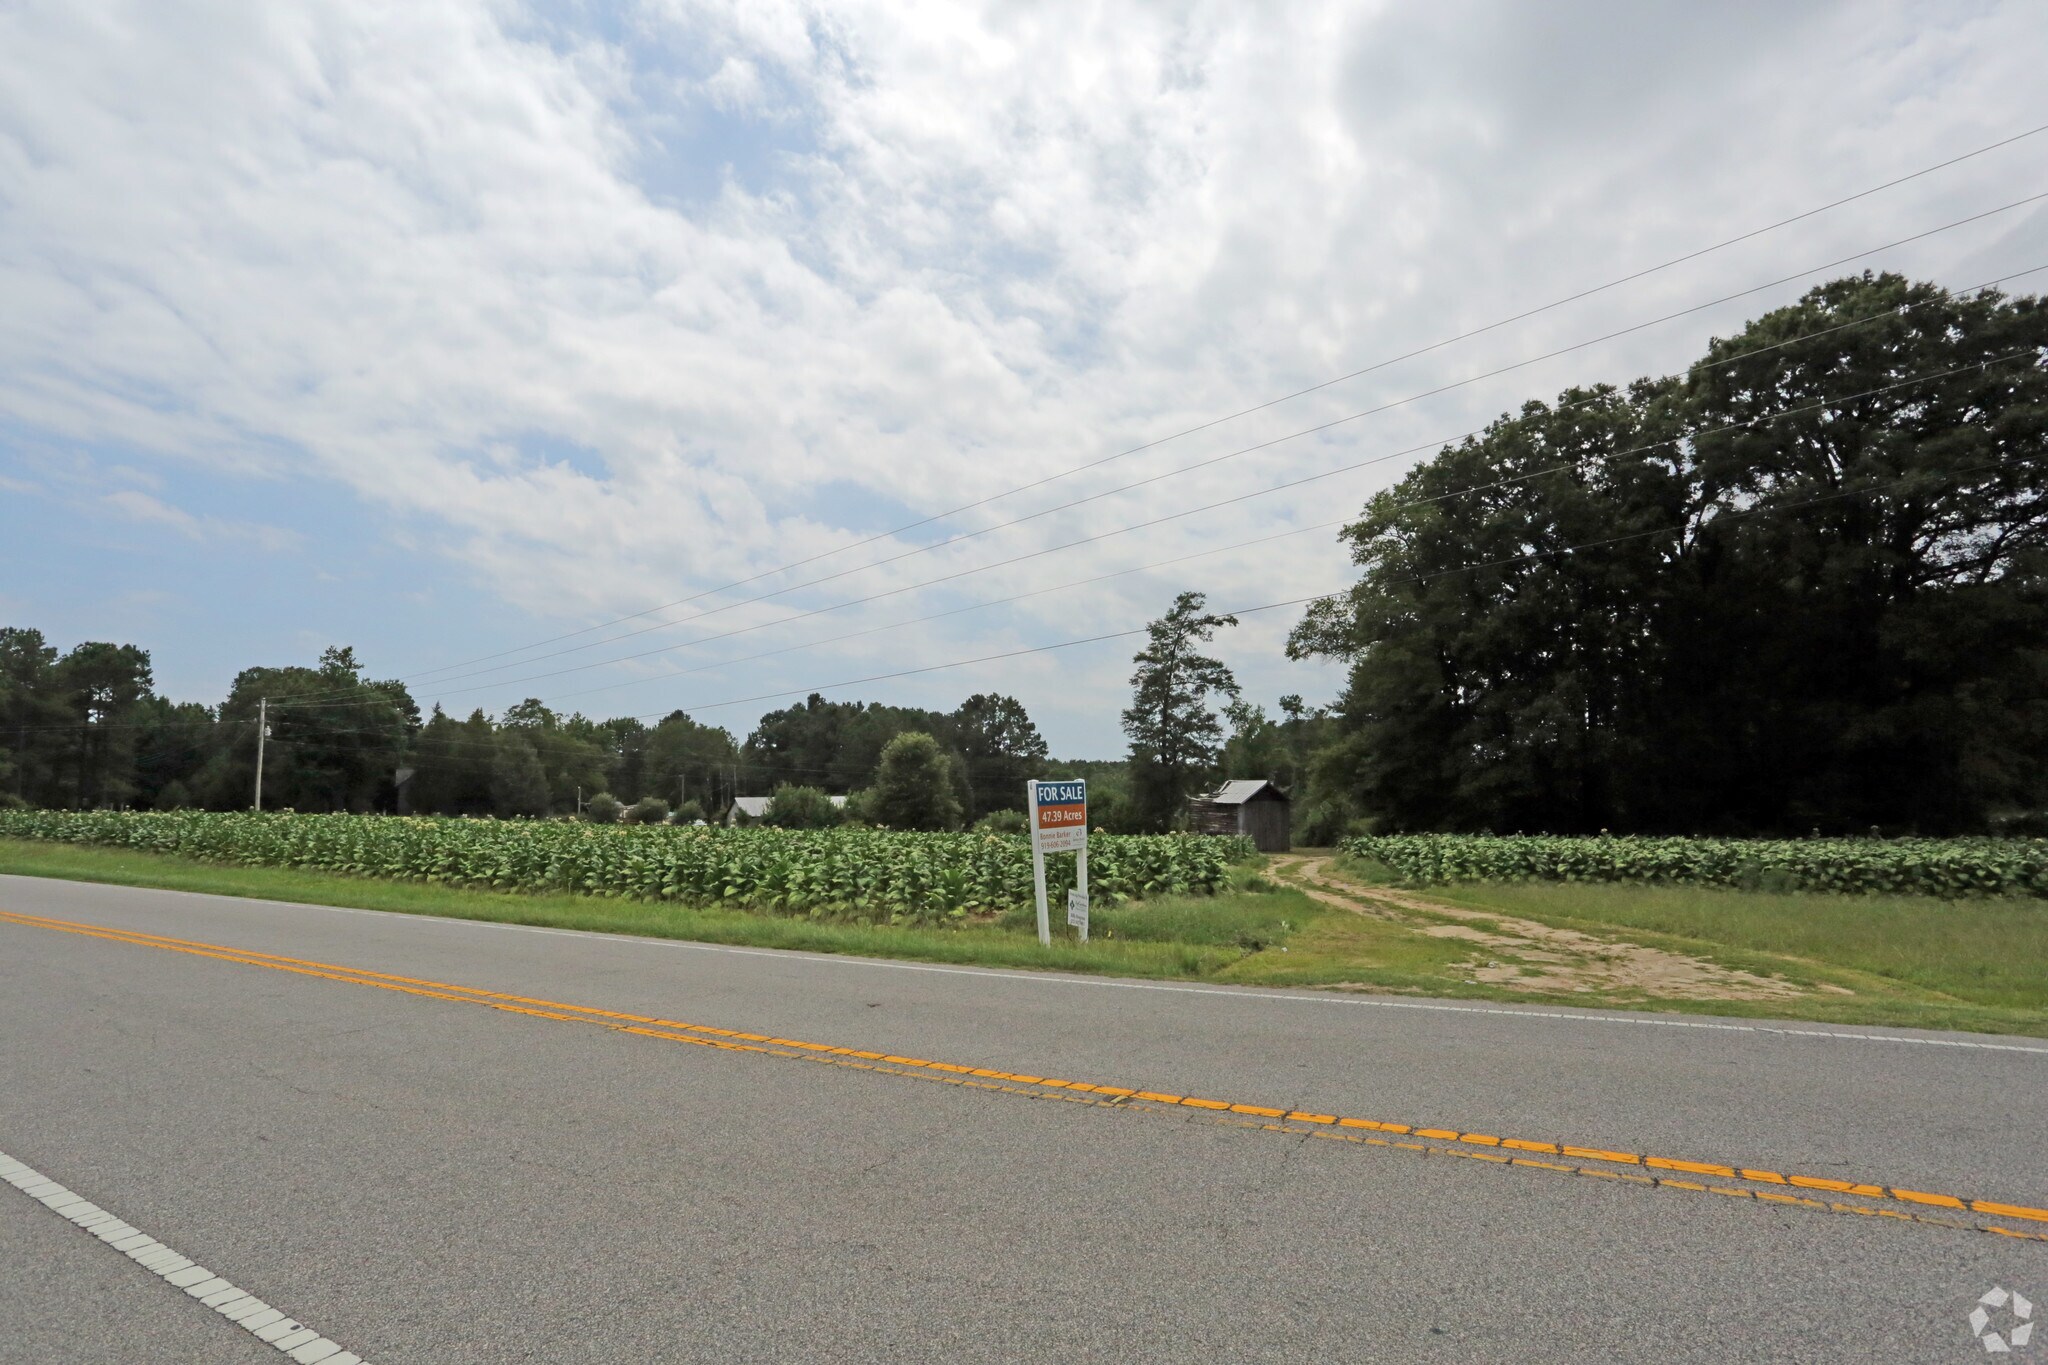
(736, 1040)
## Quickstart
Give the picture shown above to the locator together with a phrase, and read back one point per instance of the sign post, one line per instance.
(1059, 824)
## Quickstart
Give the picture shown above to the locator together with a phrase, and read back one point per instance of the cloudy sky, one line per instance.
(444, 327)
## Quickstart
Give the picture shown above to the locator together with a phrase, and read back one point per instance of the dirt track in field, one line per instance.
(1522, 954)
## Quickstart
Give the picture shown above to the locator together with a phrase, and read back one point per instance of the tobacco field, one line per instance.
(1947, 868)
(875, 875)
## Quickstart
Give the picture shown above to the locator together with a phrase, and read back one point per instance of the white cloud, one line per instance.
(135, 505)
(142, 507)
(432, 253)
(736, 86)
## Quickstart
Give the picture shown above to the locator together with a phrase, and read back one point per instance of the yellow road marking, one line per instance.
(1665, 1163)
(678, 1031)
(1733, 1192)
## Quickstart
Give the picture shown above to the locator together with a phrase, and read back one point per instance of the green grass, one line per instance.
(1990, 952)
(1977, 965)
(1250, 914)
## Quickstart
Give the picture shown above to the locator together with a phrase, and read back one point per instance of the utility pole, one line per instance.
(682, 790)
(262, 731)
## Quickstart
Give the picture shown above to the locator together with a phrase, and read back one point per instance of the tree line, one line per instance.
(86, 728)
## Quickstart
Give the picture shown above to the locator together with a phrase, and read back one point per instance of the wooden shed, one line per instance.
(1258, 810)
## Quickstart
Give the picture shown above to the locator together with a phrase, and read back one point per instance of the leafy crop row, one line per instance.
(875, 875)
(1947, 868)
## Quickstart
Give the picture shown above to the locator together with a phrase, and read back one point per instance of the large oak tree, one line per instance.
(1806, 584)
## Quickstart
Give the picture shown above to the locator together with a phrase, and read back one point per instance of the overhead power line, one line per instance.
(1230, 455)
(1533, 556)
(1205, 507)
(1179, 559)
(1719, 517)
(1638, 450)
(1691, 434)
(1506, 562)
(1524, 315)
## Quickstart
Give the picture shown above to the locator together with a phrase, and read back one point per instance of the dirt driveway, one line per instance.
(1521, 954)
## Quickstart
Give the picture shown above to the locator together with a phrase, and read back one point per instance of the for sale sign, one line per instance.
(1058, 812)
(1059, 817)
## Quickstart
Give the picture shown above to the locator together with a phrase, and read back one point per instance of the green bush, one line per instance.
(603, 809)
(648, 810)
(1323, 821)
(1112, 812)
(1002, 822)
(689, 813)
(914, 785)
(801, 808)
(1949, 868)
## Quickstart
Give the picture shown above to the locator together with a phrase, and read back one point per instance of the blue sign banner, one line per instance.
(1062, 793)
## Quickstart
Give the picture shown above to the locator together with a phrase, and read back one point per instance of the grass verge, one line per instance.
(1971, 966)
(1219, 926)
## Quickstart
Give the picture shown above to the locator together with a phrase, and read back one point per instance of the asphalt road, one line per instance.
(427, 1180)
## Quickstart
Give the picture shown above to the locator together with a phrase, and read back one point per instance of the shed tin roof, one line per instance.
(1238, 792)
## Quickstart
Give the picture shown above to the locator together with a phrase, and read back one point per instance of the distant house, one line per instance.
(1258, 810)
(756, 807)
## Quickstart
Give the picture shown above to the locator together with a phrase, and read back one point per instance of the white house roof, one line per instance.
(754, 807)
(1243, 790)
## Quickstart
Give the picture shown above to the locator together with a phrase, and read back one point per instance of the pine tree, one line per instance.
(1174, 734)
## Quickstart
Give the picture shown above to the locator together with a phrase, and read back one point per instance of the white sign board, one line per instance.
(1057, 813)
(1059, 817)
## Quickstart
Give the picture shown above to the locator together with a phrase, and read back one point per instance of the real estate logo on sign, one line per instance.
(1059, 817)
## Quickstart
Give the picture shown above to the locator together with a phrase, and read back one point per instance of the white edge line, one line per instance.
(1027, 977)
(180, 1272)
